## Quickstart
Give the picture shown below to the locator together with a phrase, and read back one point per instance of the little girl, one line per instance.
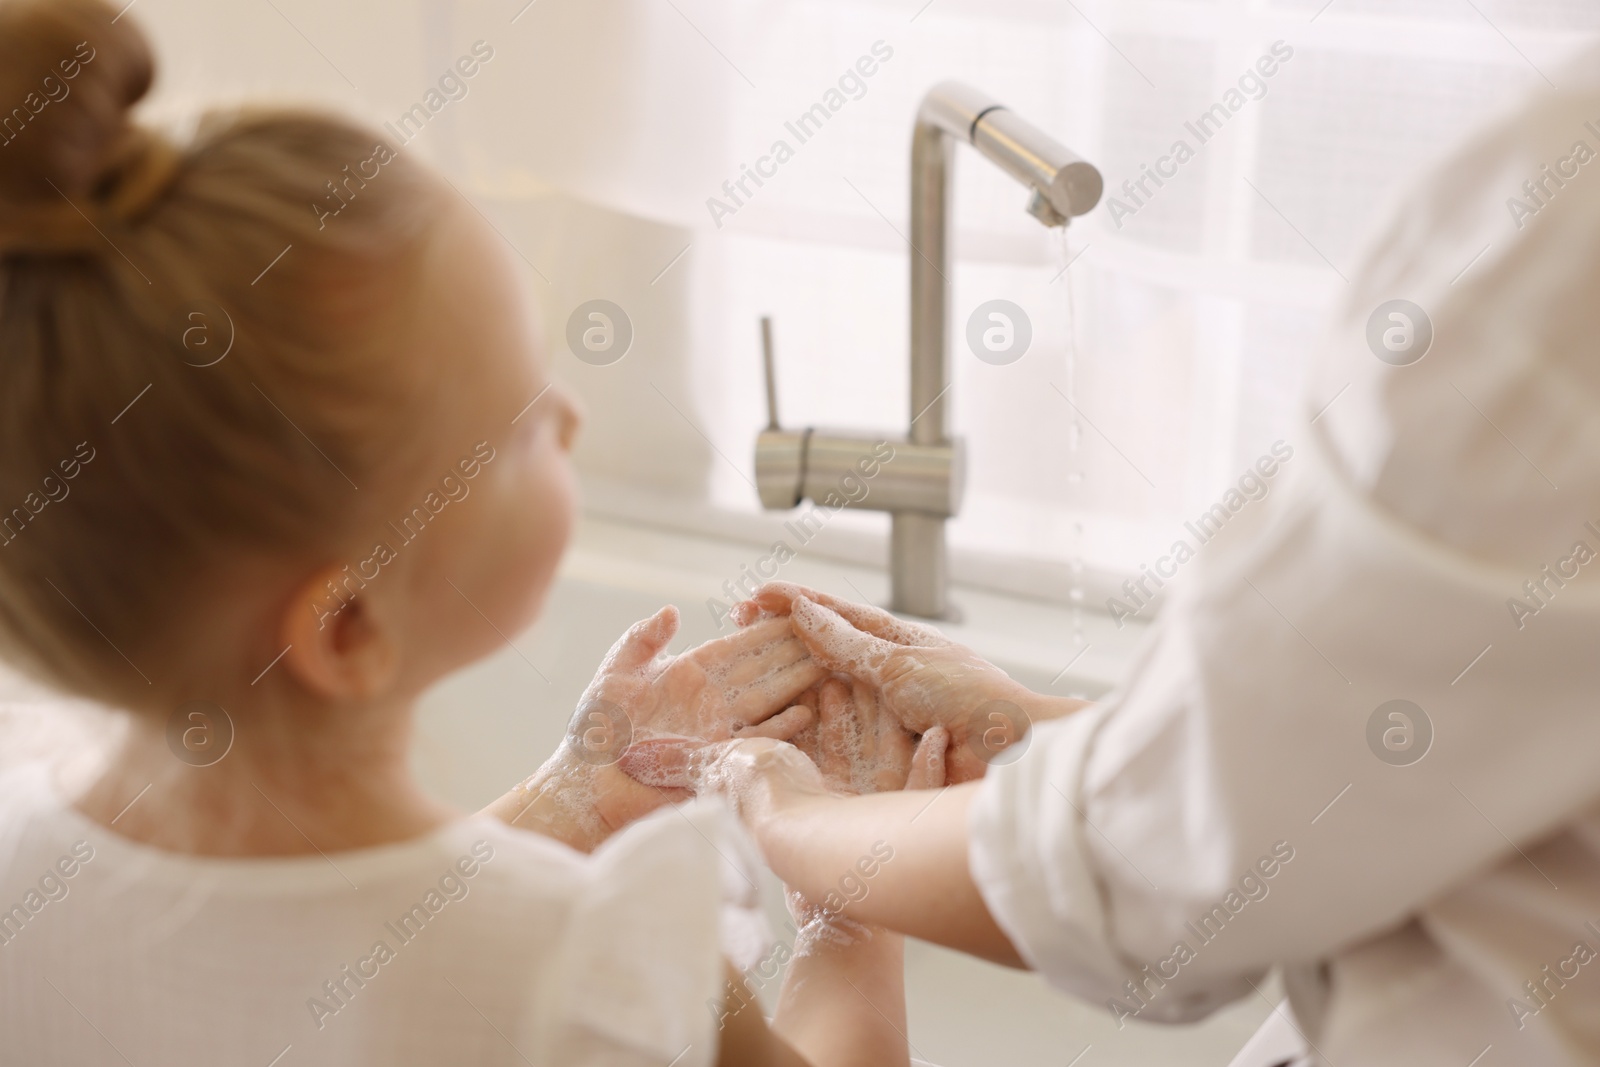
(265, 476)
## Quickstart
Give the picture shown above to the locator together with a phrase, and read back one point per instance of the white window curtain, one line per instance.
(1177, 319)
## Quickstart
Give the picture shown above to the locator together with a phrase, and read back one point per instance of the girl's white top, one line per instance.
(1432, 901)
(476, 944)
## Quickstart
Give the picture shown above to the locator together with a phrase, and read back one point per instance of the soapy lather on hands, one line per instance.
(855, 712)
(742, 685)
(808, 826)
(853, 687)
(853, 746)
(922, 678)
(895, 685)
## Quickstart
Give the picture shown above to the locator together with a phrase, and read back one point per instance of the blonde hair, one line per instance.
(132, 459)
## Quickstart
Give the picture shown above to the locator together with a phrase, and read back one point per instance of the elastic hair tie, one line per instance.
(141, 173)
(142, 169)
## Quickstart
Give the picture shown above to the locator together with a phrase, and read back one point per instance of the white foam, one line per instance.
(818, 927)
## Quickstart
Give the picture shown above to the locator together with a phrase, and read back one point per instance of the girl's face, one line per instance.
(476, 549)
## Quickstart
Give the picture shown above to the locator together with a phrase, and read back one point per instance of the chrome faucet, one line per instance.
(921, 487)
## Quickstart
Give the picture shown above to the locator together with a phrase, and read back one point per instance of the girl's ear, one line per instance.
(340, 646)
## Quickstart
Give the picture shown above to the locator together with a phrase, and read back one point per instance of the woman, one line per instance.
(1360, 743)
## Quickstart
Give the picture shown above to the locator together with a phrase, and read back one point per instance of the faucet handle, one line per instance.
(780, 459)
(771, 372)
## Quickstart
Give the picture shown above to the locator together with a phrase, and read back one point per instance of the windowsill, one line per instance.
(1047, 646)
(1048, 581)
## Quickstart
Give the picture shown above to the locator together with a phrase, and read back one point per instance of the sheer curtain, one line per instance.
(1176, 320)
(1169, 327)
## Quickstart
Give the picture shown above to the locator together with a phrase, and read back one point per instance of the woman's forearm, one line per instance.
(897, 860)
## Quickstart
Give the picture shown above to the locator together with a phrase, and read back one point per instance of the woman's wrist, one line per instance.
(1004, 719)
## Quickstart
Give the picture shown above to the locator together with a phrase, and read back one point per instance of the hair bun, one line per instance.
(69, 72)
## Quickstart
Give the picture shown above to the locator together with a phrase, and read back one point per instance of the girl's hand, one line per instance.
(723, 688)
(922, 677)
(738, 684)
(856, 744)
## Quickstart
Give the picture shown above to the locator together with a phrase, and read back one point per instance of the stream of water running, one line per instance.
(1074, 459)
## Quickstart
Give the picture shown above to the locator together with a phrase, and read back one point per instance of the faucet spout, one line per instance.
(1061, 181)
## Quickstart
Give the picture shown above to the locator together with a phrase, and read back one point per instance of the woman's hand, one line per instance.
(739, 684)
(922, 677)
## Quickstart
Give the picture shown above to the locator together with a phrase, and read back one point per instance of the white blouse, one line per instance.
(1362, 740)
(475, 944)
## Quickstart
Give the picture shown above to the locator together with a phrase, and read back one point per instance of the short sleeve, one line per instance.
(641, 976)
(1027, 857)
